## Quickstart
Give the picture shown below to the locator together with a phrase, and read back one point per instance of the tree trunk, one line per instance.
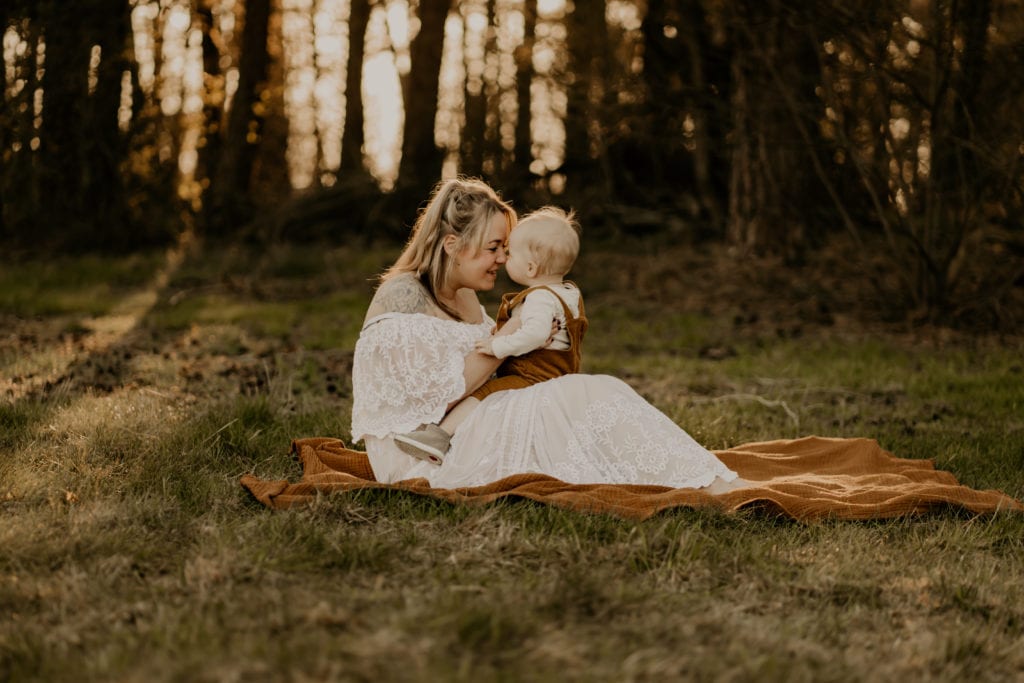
(523, 152)
(668, 77)
(104, 147)
(708, 64)
(6, 137)
(474, 130)
(213, 101)
(779, 187)
(957, 178)
(26, 163)
(745, 191)
(494, 155)
(231, 203)
(421, 161)
(585, 30)
(61, 159)
(352, 139)
(973, 21)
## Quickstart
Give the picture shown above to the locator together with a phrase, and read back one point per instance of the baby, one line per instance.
(541, 250)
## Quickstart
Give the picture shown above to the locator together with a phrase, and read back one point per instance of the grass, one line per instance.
(128, 551)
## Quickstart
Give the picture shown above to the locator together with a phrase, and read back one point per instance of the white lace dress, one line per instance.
(584, 429)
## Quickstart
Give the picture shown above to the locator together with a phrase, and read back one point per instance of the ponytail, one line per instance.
(463, 207)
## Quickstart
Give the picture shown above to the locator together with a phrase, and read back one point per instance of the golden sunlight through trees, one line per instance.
(478, 60)
(767, 125)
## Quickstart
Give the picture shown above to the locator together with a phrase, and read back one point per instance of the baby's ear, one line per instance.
(532, 269)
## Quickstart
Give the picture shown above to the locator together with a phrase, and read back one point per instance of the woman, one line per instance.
(415, 358)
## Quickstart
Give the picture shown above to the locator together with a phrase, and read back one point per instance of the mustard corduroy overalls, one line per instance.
(539, 365)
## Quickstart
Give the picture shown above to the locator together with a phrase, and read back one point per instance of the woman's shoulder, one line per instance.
(402, 293)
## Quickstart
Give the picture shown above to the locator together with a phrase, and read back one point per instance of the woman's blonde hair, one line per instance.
(464, 207)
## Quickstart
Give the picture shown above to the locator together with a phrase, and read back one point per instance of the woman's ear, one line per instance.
(450, 243)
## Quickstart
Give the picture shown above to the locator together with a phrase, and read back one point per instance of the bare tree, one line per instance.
(781, 196)
(523, 152)
(214, 93)
(105, 145)
(352, 138)
(421, 158)
(6, 133)
(708, 58)
(229, 205)
(61, 158)
(26, 165)
(474, 130)
(952, 187)
(937, 166)
(587, 36)
(659, 165)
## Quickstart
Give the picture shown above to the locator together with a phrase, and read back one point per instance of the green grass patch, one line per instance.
(128, 550)
(320, 322)
(85, 285)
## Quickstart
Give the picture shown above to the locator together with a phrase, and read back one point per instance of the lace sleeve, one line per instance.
(407, 369)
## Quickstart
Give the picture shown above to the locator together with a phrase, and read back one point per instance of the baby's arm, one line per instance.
(535, 316)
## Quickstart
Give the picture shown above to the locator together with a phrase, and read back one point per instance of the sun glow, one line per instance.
(299, 100)
(478, 59)
(382, 96)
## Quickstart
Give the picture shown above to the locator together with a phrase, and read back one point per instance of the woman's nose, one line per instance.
(501, 256)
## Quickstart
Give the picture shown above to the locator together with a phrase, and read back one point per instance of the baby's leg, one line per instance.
(431, 442)
(457, 415)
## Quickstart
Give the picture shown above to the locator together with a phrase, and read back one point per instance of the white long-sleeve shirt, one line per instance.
(536, 312)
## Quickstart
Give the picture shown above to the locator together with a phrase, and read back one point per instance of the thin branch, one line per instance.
(753, 397)
(805, 135)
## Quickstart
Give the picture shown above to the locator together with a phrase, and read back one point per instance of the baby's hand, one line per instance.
(556, 327)
(484, 346)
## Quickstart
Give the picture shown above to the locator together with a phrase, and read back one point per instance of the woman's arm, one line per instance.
(405, 294)
(479, 367)
(478, 370)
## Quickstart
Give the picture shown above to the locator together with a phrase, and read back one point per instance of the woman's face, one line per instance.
(478, 269)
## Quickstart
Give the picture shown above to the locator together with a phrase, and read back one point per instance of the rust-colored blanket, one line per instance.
(806, 478)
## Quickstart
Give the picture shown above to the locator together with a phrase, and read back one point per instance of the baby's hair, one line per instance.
(552, 236)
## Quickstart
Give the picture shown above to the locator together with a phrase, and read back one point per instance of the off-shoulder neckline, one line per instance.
(389, 315)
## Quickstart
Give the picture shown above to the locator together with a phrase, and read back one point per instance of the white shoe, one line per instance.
(429, 443)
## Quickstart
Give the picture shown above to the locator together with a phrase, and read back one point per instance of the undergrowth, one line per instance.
(128, 550)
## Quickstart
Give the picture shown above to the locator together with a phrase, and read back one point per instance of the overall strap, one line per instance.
(583, 313)
(565, 306)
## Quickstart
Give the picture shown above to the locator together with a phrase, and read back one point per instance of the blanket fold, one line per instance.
(808, 478)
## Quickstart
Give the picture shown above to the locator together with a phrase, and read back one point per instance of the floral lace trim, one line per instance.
(407, 369)
(618, 440)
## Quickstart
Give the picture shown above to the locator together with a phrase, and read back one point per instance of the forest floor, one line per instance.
(136, 390)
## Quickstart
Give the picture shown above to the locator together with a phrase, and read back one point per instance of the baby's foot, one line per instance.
(427, 443)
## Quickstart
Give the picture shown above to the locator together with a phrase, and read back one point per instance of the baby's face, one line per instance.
(518, 258)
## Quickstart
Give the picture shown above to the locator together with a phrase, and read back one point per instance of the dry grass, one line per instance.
(129, 552)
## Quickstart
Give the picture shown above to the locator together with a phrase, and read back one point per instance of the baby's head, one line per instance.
(544, 244)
